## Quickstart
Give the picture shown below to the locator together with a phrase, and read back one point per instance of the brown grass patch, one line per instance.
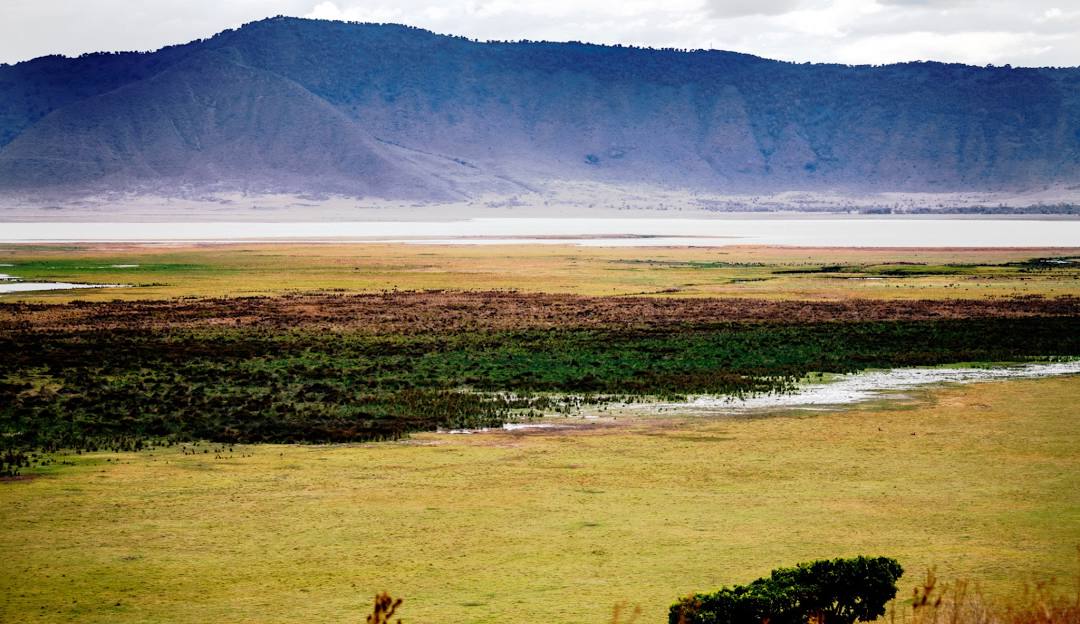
(447, 311)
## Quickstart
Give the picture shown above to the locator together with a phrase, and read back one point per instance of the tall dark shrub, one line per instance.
(837, 591)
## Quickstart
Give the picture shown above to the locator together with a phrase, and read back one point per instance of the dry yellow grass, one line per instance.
(215, 270)
(982, 481)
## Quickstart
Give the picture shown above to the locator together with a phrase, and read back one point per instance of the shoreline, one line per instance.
(848, 231)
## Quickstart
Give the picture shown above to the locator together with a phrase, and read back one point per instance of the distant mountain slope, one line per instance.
(382, 110)
(208, 120)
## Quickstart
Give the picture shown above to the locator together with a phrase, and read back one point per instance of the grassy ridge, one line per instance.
(90, 389)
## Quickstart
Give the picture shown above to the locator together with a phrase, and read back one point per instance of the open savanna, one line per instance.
(166, 271)
(549, 526)
(212, 348)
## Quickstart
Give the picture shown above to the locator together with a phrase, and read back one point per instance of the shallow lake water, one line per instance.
(615, 232)
(840, 391)
(11, 284)
(862, 387)
(18, 287)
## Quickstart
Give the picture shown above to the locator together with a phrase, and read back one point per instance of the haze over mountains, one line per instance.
(315, 107)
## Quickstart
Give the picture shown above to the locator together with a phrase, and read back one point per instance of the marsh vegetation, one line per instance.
(346, 369)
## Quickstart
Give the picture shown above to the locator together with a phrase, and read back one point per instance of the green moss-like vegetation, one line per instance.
(898, 269)
(113, 389)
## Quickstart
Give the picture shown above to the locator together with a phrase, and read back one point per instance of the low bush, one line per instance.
(837, 591)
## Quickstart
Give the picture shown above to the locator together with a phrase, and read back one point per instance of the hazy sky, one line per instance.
(1020, 32)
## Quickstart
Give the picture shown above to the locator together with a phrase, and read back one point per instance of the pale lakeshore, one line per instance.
(864, 231)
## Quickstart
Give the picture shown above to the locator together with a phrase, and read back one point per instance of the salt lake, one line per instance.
(612, 232)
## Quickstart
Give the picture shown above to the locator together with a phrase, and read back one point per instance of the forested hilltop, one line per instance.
(296, 105)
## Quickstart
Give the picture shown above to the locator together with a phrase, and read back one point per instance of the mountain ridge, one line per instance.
(399, 112)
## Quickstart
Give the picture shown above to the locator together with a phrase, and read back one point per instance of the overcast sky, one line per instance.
(1019, 32)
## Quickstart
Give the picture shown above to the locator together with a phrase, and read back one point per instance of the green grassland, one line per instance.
(549, 526)
(769, 272)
